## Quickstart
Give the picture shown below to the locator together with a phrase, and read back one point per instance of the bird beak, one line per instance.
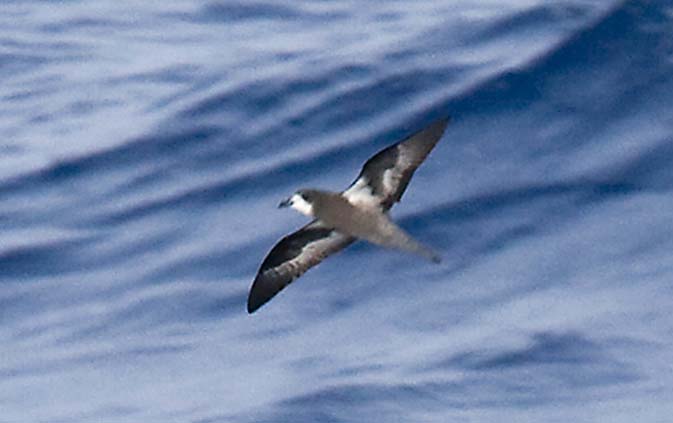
(285, 203)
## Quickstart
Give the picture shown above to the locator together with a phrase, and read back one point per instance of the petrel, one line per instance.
(359, 212)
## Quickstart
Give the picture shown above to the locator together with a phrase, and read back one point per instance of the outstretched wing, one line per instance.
(291, 257)
(385, 176)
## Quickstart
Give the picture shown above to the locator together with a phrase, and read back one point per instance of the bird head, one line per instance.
(302, 201)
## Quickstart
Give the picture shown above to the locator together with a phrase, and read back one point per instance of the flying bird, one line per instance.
(340, 218)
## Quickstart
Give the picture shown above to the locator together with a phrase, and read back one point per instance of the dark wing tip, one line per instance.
(262, 291)
(254, 303)
(422, 142)
(275, 273)
(425, 140)
(437, 128)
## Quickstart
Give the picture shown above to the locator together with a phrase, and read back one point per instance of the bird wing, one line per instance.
(291, 257)
(385, 176)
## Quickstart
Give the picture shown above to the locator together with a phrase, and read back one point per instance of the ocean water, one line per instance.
(144, 147)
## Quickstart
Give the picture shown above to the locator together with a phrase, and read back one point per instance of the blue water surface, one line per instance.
(145, 145)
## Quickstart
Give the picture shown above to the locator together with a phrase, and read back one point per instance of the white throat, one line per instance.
(301, 205)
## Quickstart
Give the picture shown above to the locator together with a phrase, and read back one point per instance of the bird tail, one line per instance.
(415, 247)
(392, 236)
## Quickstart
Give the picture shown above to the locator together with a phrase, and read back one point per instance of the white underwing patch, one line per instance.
(389, 182)
(360, 194)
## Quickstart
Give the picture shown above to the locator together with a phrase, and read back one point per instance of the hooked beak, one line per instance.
(285, 203)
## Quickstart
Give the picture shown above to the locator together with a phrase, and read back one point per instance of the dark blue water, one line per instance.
(145, 145)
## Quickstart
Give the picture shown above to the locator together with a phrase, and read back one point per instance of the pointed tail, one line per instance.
(392, 236)
(415, 247)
